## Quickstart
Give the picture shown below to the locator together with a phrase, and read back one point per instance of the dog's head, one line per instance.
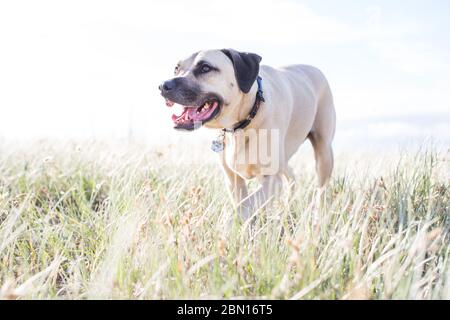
(210, 85)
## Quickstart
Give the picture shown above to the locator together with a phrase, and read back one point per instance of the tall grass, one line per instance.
(93, 220)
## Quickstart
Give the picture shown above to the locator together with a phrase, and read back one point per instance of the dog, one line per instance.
(230, 91)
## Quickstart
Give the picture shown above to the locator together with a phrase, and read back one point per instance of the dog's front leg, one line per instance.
(237, 188)
(271, 188)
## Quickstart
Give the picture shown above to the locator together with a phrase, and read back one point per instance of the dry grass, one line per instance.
(95, 220)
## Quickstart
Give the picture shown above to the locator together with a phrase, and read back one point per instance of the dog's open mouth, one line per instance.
(193, 117)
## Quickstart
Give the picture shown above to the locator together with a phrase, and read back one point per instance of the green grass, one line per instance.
(127, 221)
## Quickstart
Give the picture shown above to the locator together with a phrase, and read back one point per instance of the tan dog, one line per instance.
(219, 89)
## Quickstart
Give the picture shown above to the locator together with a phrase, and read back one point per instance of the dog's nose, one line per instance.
(167, 85)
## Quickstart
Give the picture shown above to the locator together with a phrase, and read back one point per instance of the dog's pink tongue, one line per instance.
(185, 114)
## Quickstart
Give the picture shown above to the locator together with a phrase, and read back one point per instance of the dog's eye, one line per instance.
(177, 69)
(205, 68)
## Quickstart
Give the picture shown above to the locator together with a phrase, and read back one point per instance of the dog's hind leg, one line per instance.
(323, 154)
(321, 136)
(324, 166)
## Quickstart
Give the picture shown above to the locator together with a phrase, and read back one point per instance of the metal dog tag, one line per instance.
(218, 145)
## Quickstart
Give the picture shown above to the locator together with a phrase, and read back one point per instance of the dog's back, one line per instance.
(304, 105)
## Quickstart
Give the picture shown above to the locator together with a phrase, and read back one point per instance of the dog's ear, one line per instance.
(246, 67)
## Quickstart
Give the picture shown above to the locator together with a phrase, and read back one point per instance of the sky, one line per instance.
(71, 69)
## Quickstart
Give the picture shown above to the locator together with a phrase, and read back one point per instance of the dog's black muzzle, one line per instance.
(180, 90)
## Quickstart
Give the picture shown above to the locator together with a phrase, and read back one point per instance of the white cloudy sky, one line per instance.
(91, 68)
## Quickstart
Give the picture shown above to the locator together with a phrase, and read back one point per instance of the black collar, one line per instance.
(244, 123)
